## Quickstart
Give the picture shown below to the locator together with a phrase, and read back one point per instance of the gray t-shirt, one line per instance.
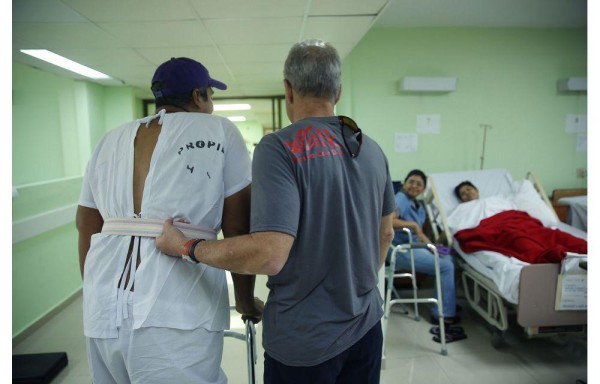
(307, 185)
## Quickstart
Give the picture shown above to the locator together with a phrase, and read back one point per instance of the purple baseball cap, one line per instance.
(180, 76)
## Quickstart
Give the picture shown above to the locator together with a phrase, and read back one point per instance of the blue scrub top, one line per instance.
(408, 210)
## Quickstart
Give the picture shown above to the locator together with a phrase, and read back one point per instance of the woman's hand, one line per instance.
(421, 237)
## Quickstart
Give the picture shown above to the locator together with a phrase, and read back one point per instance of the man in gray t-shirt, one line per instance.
(321, 222)
(306, 184)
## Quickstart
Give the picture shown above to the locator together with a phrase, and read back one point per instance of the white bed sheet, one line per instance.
(498, 192)
(503, 271)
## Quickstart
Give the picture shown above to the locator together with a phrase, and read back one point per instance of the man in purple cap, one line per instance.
(150, 318)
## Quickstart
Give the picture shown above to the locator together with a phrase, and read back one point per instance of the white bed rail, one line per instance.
(484, 298)
(431, 199)
(540, 189)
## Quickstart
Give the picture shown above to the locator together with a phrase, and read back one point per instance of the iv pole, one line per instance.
(485, 128)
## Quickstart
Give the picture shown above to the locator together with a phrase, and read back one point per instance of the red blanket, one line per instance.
(516, 234)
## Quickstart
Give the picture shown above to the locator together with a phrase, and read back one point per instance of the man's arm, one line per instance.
(236, 222)
(386, 235)
(88, 222)
(259, 253)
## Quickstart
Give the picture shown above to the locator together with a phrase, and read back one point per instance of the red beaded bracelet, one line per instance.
(186, 247)
(188, 250)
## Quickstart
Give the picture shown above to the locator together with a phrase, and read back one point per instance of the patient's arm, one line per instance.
(414, 227)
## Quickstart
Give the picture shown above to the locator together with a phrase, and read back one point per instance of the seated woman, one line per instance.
(502, 227)
(410, 213)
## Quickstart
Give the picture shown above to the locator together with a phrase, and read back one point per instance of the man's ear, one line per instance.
(197, 98)
(337, 97)
(200, 104)
(289, 95)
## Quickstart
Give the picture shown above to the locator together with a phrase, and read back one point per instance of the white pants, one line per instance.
(154, 355)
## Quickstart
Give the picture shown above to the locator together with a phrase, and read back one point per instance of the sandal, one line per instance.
(450, 337)
(447, 320)
(453, 330)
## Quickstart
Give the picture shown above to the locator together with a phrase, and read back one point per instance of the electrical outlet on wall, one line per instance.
(581, 173)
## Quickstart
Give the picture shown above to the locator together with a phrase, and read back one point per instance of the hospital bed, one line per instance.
(495, 284)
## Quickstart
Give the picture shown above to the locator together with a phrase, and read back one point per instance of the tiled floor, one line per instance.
(411, 356)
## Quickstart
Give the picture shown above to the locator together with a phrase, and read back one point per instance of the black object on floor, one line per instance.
(450, 337)
(38, 368)
(447, 320)
(450, 329)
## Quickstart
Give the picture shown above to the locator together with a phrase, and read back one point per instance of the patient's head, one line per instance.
(466, 191)
(414, 183)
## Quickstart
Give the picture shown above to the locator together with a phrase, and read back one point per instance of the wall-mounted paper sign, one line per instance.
(576, 123)
(428, 123)
(405, 142)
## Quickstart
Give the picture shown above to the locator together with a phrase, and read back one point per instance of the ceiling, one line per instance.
(242, 42)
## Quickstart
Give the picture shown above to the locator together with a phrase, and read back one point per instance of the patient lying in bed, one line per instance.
(517, 225)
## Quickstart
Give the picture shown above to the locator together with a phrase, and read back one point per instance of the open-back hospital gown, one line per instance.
(198, 161)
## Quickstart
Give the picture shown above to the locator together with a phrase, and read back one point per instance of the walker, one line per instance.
(250, 338)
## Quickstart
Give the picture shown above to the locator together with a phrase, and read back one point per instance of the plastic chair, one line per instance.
(391, 274)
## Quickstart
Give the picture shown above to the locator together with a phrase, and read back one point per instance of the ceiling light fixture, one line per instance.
(237, 118)
(232, 107)
(65, 63)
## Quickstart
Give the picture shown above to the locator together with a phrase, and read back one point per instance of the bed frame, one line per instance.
(537, 287)
(562, 210)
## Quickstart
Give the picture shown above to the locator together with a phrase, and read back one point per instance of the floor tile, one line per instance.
(412, 357)
(417, 370)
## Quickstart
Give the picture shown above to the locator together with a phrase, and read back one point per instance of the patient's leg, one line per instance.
(424, 263)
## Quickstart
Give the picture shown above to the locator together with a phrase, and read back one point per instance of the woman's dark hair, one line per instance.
(459, 186)
(417, 172)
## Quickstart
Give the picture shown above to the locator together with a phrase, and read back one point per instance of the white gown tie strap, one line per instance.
(146, 120)
(130, 226)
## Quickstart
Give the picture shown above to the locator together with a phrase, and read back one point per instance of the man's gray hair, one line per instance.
(314, 69)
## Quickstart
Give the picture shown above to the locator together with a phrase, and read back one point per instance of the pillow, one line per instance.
(469, 214)
(527, 199)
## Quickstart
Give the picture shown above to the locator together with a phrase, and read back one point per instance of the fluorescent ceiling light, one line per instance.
(231, 107)
(237, 118)
(65, 63)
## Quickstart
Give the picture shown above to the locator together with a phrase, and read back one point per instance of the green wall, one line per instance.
(45, 271)
(56, 124)
(252, 131)
(506, 78)
(40, 111)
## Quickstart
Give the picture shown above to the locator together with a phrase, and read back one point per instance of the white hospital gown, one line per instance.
(198, 160)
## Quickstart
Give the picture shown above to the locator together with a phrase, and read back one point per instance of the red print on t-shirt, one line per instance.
(312, 143)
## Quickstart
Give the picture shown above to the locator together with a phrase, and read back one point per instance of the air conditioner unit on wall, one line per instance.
(428, 84)
(572, 84)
